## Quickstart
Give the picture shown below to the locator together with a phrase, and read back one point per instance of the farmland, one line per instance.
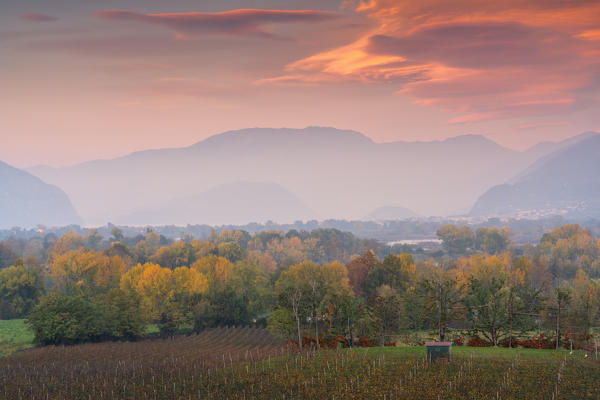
(15, 336)
(247, 363)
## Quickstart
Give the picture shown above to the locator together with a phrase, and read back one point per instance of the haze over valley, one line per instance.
(296, 174)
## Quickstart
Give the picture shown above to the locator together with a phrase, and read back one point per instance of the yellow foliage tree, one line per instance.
(189, 282)
(216, 269)
(86, 271)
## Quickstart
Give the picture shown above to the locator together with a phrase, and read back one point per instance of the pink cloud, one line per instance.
(37, 17)
(537, 125)
(236, 22)
(482, 59)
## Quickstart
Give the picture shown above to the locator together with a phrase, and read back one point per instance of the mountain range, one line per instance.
(333, 173)
(26, 201)
(234, 203)
(566, 182)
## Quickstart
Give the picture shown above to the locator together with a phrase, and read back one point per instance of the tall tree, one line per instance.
(396, 271)
(486, 300)
(586, 302)
(358, 269)
(442, 298)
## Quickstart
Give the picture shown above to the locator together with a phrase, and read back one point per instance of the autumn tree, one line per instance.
(396, 271)
(85, 272)
(358, 269)
(178, 254)
(147, 247)
(66, 243)
(566, 249)
(217, 270)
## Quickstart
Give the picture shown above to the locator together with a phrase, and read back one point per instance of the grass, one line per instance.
(15, 336)
(484, 352)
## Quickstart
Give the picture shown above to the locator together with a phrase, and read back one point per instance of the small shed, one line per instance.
(437, 350)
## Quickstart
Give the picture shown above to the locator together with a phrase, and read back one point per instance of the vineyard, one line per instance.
(248, 363)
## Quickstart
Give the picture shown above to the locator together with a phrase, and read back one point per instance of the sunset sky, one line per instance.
(84, 79)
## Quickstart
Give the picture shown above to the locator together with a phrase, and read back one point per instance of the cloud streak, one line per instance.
(246, 22)
(480, 59)
(37, 17)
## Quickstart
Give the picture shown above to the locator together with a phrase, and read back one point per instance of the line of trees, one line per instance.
(321, 285)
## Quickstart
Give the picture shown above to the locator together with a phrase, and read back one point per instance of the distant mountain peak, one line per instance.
(27, 201)
(314, 133)
(473, 140)
(563, 182)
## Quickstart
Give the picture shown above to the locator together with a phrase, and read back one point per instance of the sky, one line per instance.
(83, 79)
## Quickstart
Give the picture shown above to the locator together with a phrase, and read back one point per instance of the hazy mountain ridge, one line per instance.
(336, 173)
(26, 201)
(239, 202)
(564, 182)
(390, 213)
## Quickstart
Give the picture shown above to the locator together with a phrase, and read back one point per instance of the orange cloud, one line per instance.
(482, 59)
(248, 22)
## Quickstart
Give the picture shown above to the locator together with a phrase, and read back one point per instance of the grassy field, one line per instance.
(15, 336)
(247, 363)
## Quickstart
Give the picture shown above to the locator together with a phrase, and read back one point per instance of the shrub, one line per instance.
(476, 341)
(61, 319)
(64, 319)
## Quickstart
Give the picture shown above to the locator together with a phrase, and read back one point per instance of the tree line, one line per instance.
(320, 287)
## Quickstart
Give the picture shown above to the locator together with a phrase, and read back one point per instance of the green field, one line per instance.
(15, 336)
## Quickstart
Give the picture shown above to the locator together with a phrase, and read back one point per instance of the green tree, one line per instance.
(231, 251)
(492, 240)
(396, 271)
(386, 309)
(487, 303)
(116, 235)
(293, 297)
(456, 241)
(586, 302)
(20, 290)
(7, 256)
(178, 254)
(221, 306)
(63, 319)
(282, 323)
(122, 314)
(442, 297)
(558, 307)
